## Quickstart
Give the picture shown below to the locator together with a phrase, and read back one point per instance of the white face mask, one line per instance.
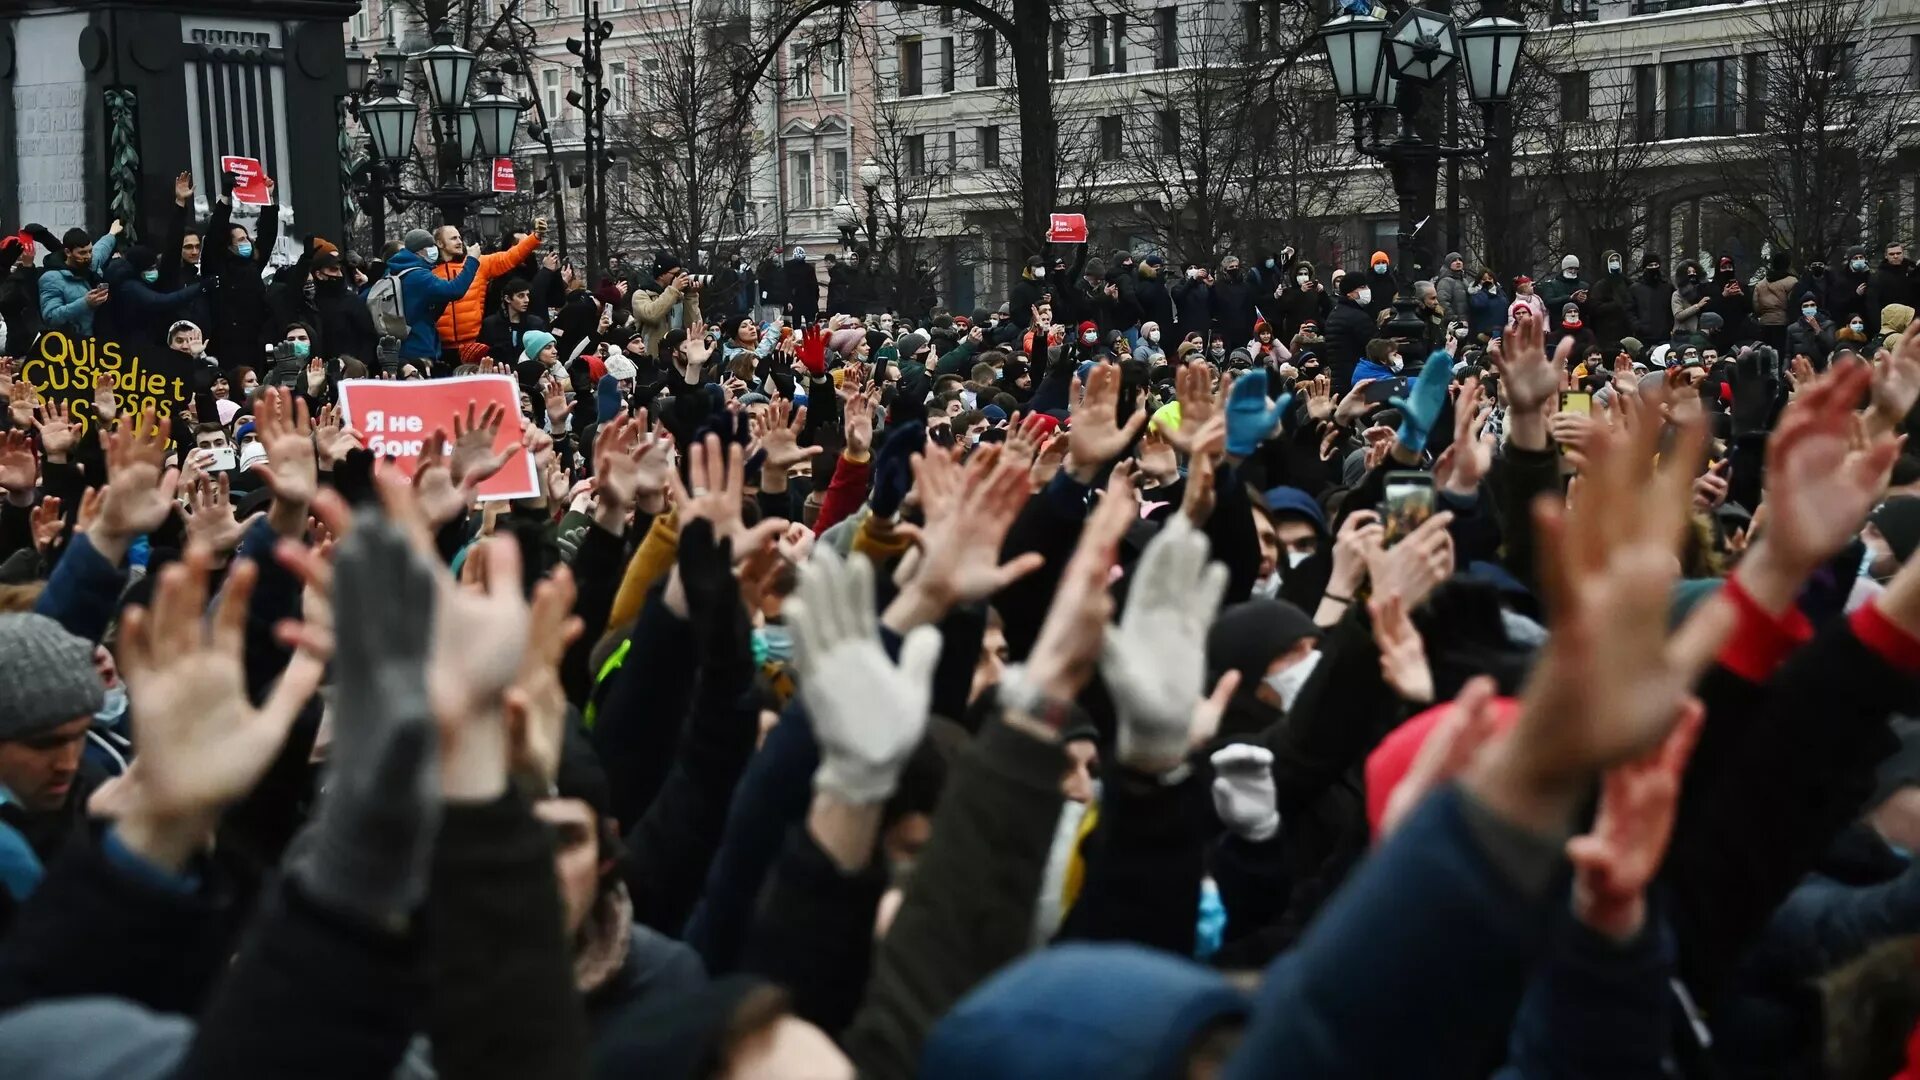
(1288, 682)
(1303, 278)
(1613, 267)
(1090, 338)
(969, 398)
(1268, 586)
(430, 254)
(1364, 295)
(1153, 336)
(1858, 265)
(1295, 558)
(1039, 272)
(1397, 362)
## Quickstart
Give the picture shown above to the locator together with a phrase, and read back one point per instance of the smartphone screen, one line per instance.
(1576, 401)
(1409, 502)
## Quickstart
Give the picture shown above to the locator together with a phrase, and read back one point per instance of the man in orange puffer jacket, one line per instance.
(460, 320)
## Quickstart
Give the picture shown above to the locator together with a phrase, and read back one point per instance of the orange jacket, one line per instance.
(460, 320)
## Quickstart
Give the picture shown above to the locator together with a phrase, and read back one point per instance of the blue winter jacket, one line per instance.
(421, 298)
(63, 294)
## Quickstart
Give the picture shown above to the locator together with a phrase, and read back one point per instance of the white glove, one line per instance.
(1155, 660)
(1243, 793)
(868, 714)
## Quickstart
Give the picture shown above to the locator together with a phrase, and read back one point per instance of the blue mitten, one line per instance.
(1419, 409)
(1251, 420)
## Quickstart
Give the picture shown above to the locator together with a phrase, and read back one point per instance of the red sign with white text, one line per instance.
(249, 179)
(398, 417)
(504, 182)
(1068, 229)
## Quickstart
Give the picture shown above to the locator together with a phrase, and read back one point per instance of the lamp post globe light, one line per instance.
(1381, 67)
(461, 133)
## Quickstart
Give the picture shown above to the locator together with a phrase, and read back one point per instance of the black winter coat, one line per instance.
(803, 288)
(1890, 285)
(1156, 306)
(772, 279)
(1348, 330)
(1193, 307)
(1652, 310)
(1235, 296)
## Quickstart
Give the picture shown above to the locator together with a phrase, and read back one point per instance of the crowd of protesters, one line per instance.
(1068, 688)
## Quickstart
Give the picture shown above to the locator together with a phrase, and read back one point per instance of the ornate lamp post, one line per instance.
(1381, 67)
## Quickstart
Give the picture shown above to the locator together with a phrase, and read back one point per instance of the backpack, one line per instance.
(388, 309)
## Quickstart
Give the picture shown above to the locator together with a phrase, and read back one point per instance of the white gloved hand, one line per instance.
(1155, 659)
(868, 714)
(1243, 793)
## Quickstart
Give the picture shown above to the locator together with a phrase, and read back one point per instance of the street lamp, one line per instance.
(357, 66)
(449, 71)
(1380, 67)
(846, 219)
(489, 219)
(497, 115)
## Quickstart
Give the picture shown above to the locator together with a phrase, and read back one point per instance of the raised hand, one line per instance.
(332, 439)
(1530, 377)
(1098, 435)
(716, 484)
(203, 745)
(57, 434)
(868, 712)
(1616, 860)
(139, 491)
(210, 517)
(47, 524)
(1155, 660)
(1251, 419)
(1073, 634)
(1819, 485)
(780, 437)
(1453, 744)
(1199, 401)
(440, 499)
(1244, 795)
(1896, 384)
(968, 514)
(292, 470)
(1414, 566)
(1320, 403)
(858, 427)
(19, 466)
(1403, 656)
(473, 461)
(1196, 503)
(106, 403)
(1361, 536)
(536, 703)
(1467, 461)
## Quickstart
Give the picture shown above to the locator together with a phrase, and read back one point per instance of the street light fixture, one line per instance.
(389, 120)
(497, 114)
(358, 64)
(449, 70)
(1380, 67)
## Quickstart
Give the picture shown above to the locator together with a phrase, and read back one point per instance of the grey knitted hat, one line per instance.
(46, 676)
(417, 240)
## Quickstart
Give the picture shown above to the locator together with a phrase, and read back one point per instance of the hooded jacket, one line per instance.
(421, 298)
(1773, 297)
(460, 322)
(239, 294)
(1348, 330)
(1454, 287)
(803, 286)
(1890, 284)
(1844, 295)
(1156, 303)
(1608, 310)
(1652, 298)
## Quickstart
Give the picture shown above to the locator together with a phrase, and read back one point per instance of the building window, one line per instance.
(387, 21)
(986, 58)
(1646, 104)
(953, 151)
(621, 86)
(1169, 124)
(1261, 21)
(605, 5)
(800, 179)
(989, 139)
(799, 71)
(1756, 95)
(1111, 139)
(550, 86)
(1574, 11)
(946, 64)
(837, 162)
(1323, 119)
(1059, 49)
(1573, 97)
(833, 66)
(916, 155)
(362, 25)
(1649, 7)
(906, 9)
(1099, 60)
(1167, 25)
(1700, 98)
(910, 68)
(1117, 31)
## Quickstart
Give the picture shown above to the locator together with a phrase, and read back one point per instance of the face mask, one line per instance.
(1613, 268)
(1217, 351)
(1570, 275)
(1090, 338)
(1382, 268)
(301, 348)
(1153, 336)
(1809, 312)
(1295, 558)
(150, 276)
(1397, 362)
(1039, 272)
(1866, 562)
(969, 399)
(113, 708)
(1858, 265)
(772, 642)
(1303, 278)
(1857, 327)
(995, 321)
(1460, 332)
(430, 254)
(1269, 586)
(1364, 296)
(245, 250)
(1288, 682)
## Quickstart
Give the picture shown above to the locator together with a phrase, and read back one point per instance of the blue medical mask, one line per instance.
(245, 250)
(1809, 311)
(150, 276)
(113, 709)
(301, 348)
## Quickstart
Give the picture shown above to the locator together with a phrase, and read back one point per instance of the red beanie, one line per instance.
(1391, 760)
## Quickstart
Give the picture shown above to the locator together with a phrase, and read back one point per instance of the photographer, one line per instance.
(673, 304)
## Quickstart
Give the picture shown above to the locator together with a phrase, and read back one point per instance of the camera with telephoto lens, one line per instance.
(702, 280)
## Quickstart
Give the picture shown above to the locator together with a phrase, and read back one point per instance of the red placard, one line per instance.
(249, 179)
(1068, 229)
(397, 419)
(504, 181)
